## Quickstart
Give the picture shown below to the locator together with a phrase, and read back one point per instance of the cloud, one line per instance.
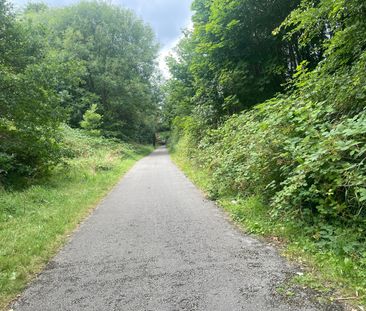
(167, 17)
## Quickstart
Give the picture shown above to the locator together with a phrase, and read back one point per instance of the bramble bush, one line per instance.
(299, 163)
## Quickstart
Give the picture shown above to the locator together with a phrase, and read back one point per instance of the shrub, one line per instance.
(92, 120)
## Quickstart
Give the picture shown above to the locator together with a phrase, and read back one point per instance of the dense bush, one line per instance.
(285, 151)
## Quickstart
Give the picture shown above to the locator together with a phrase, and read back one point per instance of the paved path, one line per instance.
(155, 243)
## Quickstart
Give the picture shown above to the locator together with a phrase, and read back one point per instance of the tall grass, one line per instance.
(35, 221)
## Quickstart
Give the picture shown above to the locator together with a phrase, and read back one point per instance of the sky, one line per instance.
(166, 17)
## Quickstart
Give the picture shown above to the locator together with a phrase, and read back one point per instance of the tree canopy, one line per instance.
(235, 61)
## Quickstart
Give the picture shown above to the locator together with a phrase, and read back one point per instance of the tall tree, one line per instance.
(118, 53)
(179, 89)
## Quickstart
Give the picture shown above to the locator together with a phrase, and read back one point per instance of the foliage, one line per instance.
(300, 166)
(231, 61)
(30, 111)
(92, 120)
(179, 89)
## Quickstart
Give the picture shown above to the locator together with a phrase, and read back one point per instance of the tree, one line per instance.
(179, 90)
(92, 120)
(117, 51)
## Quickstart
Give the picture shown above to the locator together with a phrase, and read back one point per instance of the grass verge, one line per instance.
(327, 271)
(35, 222)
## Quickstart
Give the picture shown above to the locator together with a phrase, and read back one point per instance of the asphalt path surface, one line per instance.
(155, 243)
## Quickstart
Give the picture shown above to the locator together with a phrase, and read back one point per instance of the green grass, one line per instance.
(328, 269)
(35, 222)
